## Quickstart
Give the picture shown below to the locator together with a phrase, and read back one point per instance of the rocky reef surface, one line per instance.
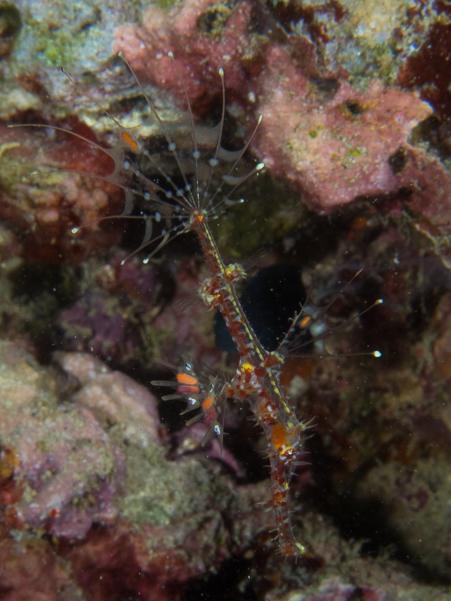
(104, 494)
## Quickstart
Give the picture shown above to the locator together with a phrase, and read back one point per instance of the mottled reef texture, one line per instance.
(104, 495)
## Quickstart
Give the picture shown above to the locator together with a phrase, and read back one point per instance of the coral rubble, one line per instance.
(89, 473)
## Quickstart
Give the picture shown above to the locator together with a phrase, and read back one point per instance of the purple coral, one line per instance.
(69, 469)
(110, 319)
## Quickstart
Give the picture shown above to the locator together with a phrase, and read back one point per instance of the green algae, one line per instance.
(59, 47)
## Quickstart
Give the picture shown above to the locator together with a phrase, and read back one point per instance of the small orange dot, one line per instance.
(130, 141)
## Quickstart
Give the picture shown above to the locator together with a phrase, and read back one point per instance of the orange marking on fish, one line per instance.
(130, 141)
(187, 379)
(278, 497)
(305, 321)
(208, 403)
(278, 436)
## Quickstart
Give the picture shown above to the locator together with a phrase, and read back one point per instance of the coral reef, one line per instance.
(336, 129)
(426, 67)
(415, 494)
(67, 469)
(367, 39)
(102, 496)
(348, 574)
(382, 438)
(29, 569)
(404, 41)
(195, 31)
(167, 522)
(43, 37)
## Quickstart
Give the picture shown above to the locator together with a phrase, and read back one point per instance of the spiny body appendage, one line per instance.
(284, 434)
(257, 382)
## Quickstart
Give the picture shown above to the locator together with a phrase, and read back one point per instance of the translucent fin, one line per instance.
(202, 390)
(170, 397)
(191, 405)
(194, 420)
(217, 427)
(214, 429)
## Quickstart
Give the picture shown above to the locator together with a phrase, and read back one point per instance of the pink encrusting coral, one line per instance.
(114, 398)
(334, 148)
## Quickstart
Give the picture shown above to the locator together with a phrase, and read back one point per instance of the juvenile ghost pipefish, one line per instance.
(203, 196)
